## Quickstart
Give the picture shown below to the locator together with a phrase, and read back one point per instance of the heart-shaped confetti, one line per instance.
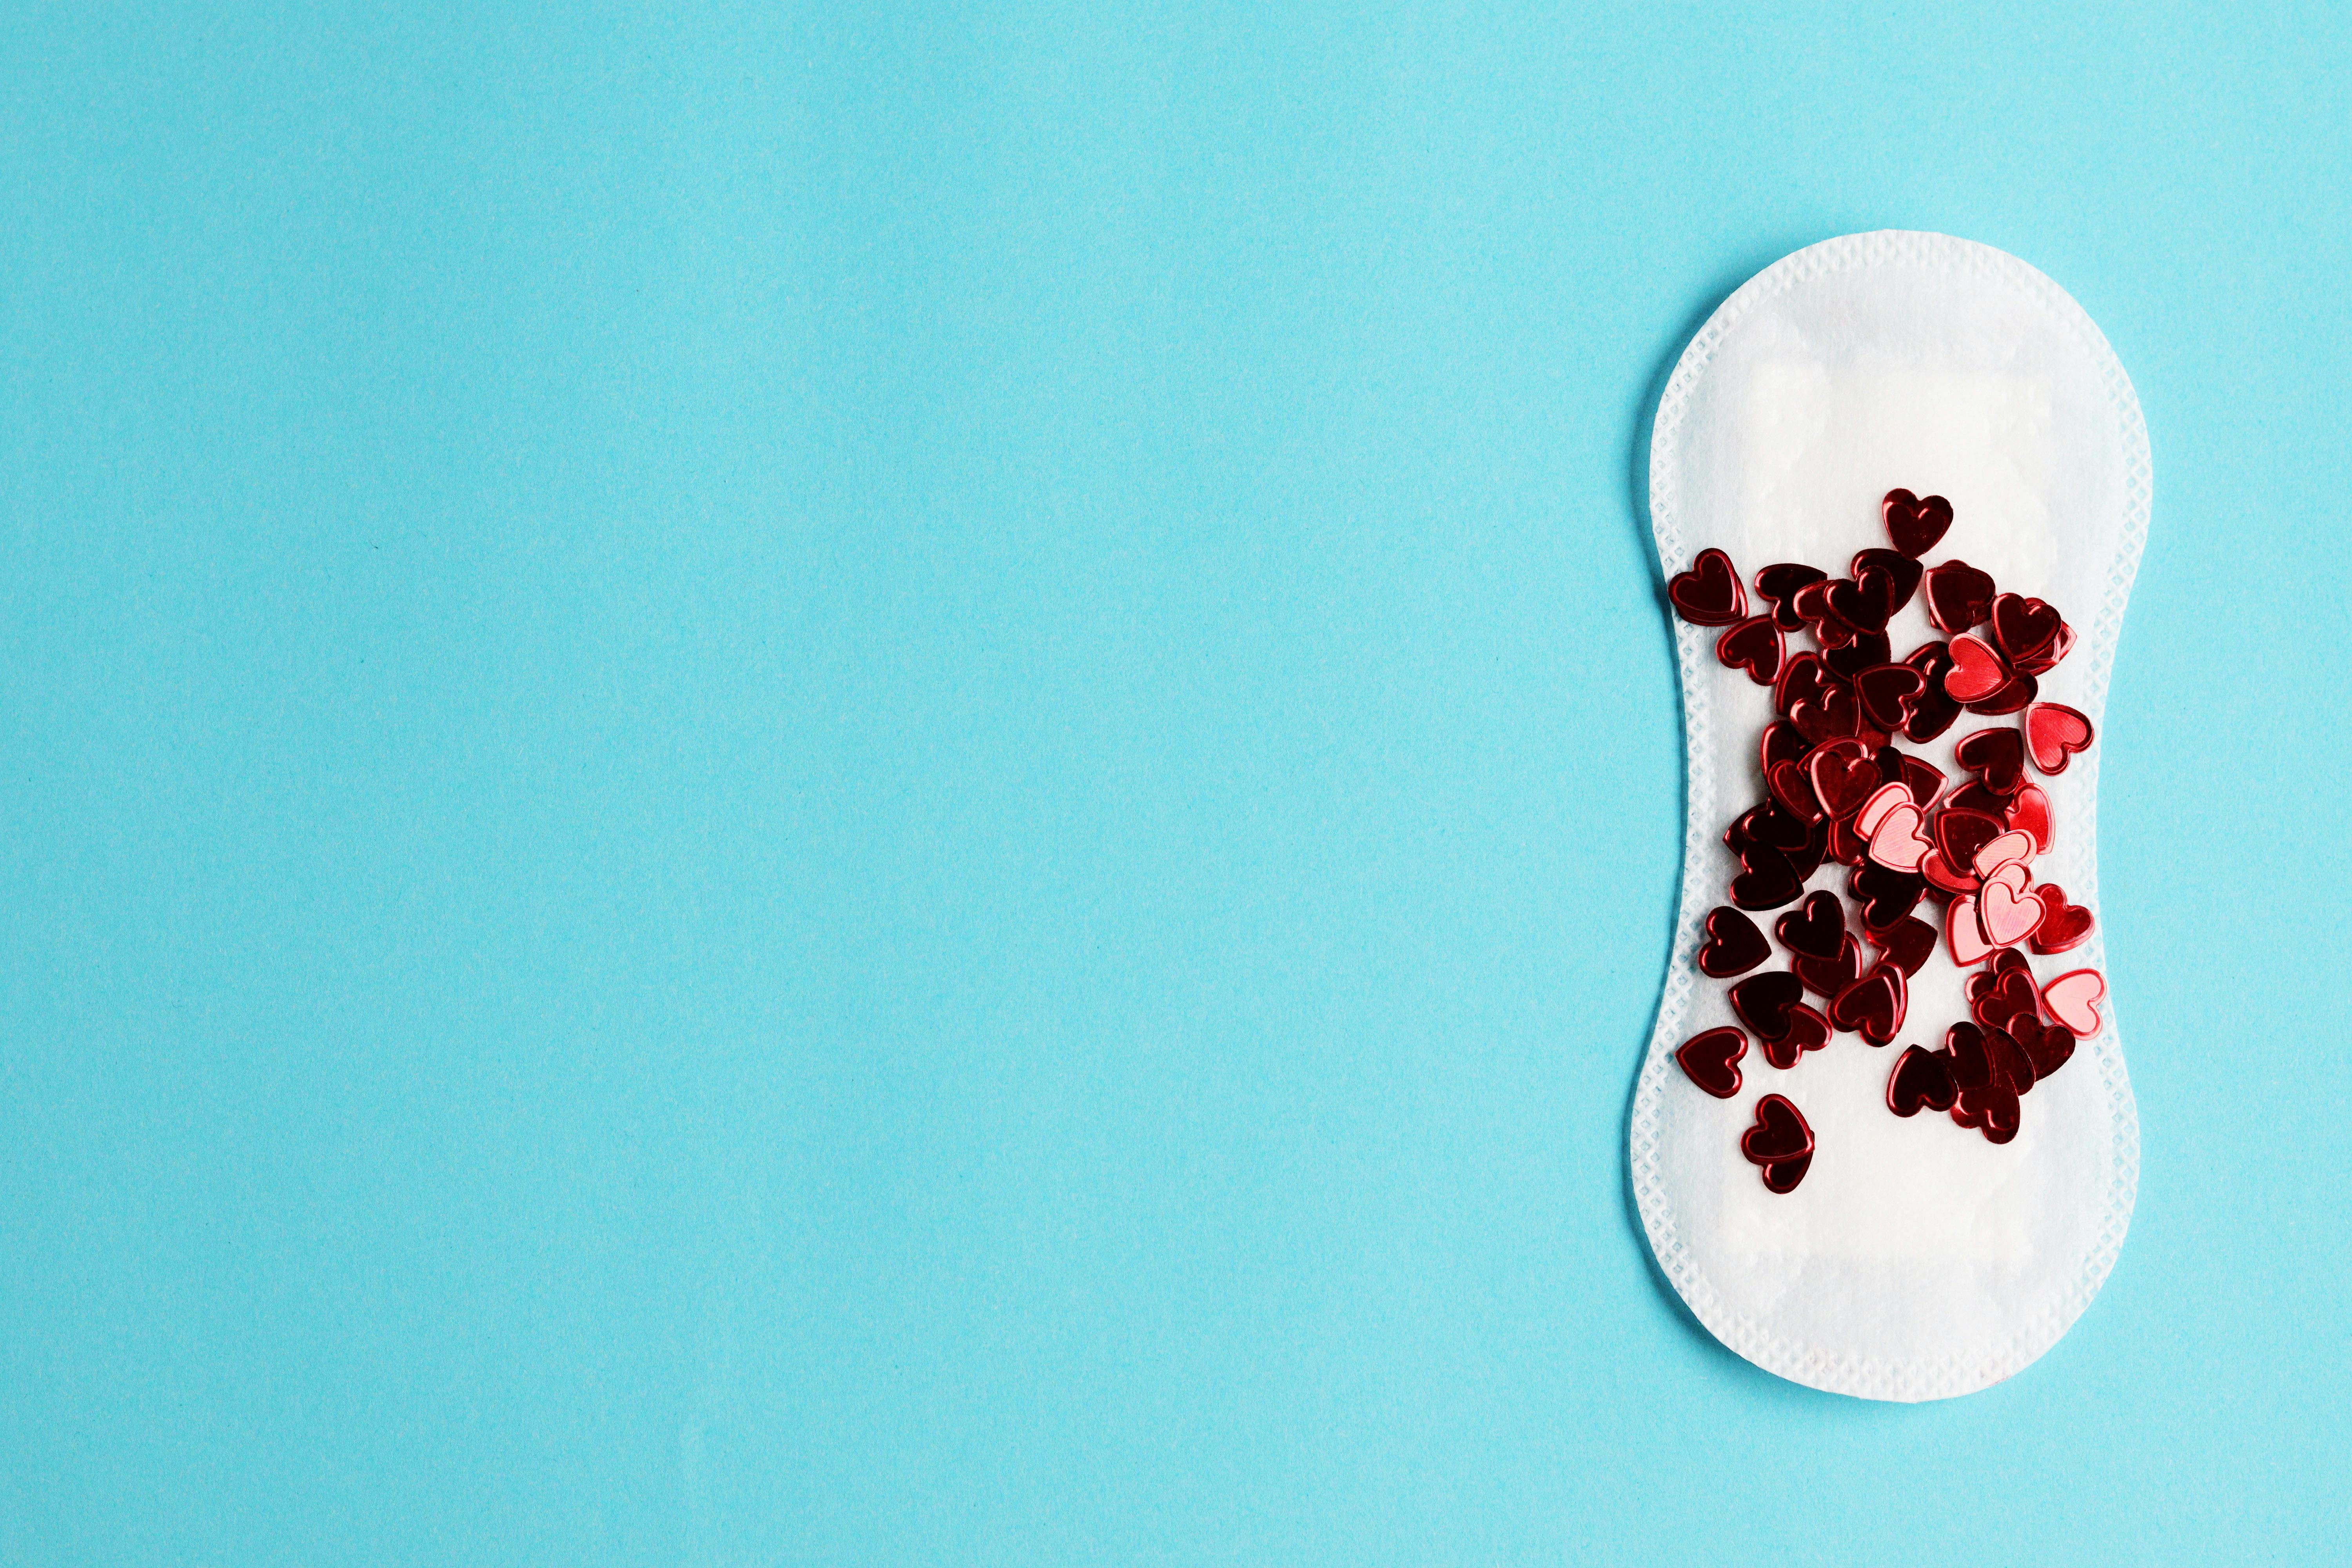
(1887, 693)
(1937, 871)
(1763, 1002)
(2046, 1046)
(1914, 522)
(1866, 602)
(1793, 790)
(1993, 1108)
(2064, 926)
(1923, 778)
(2028, 813)
(1806, 1031)
(2054, 732)
(1778, 584)
(1978, 670)
(2047, 660)
(1959, 597)
(1780, 1141)
(2011, 848)
(2074, 1001)
(1833, 715)
(1885, 799)
(1709, 594)
(2007, 916)
(1884, 896)
(1814, 928)
(2016, 694)
(1733, 945)
(1907, 943)
(1766, 880)
(2013, 1069)
(1997, 756)
(1866, 651)
(1844, 776)
(2022, 628)
(1934, 710)
(1922, 1080)
(2007, 996)
(1873, 1006)
(1897, 845)
(1802, 678)
(1711, 1060)
(1825, 978)
(1753, 645)
(1901, 572)
(1960, 833)
(1963, 936)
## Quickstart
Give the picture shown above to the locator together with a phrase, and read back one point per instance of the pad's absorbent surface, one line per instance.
(1883, 1142)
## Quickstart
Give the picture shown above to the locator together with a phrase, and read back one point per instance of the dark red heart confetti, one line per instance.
(1885, 896)
(1802, 678)
(2011, 1067)
(1972, 795)
(2028, 813)
(2047, 660)
(1825, 978)
(1959, 597)
(2063, 927)
(1996, 756)
(1766, 880)
(1711, 1060)
(1767, 823)
(1778, 584)
(1874, 1005)
(1923, 778)
(2055, 733)
(1922, 1080)
(1867, 649)
(2021, 690)
(1964, 1047)
(1709, 594)
(1978, 672)
(1793, 790)
(1807, 1031)
(1843, 774)
(1811, 604)
(1907, 943)
(1936, 869)
(1763, 1002)
(1991, 1108)
(2022, 628)
(1887, 693)
(1934, 711)
(1753, 645)
(1960, 833)
(1780, 1141)
(2007, 997)
(2047, 1046)
(1914, 522)
(1834, 715)
(1814, 928)
(1902, 571)
(1733, 945)
(1864, 603)
(1846, 843)
(1783, 742)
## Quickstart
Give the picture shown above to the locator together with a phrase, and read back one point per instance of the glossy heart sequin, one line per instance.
(2074, 1001)
(1936, 870)
(1711, 1060)
(2007, 995)
(2054, 732)
(1993, 1108)
(1814, 928)
(2047, 1046)
(1923, 778)
(2028, 813)
(2007, 916)
(1873, 1006)
(1833, 715)
(1864, 603)
(1907, 944)
(1806, 1031)
(1934, 711)
(1709, 594)
(1753, 645)
(1867, 650)
(1959, 597)
(1802, 678)
(1978, 670)
(1844, 774)
(1996, 756)
(1733, 945)
(1962, 932)
(1897, 843)
(2023, 627)
(1885, 896)
(1960, 833)
(1763, 1002)
(1767, 879)
(1884, 799)
(2012, 848)
(1825, 978)
(1887, 693)
(1778, 584)
(2064, 926)
(1793, 790)
(1914, 522)
(1781, 1142)
(1901, 572)
(1922, 1080)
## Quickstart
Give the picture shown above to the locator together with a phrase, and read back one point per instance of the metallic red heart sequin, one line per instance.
(1874, 1005)
(2028, 813)
(1806, 1031)
(1884, 896)
(1825, 978)
(1766, 880)
(2064, 926)
(1753, 645)
(1922, 1080)
(2054, 732)
(1996, 756)
(1901, 572)
(1778, 585)
(1959, 597)
(1711, 1060)
(1888, 692)
(1991, 1108)
(1934, 710)
(1866, 650)
(1914, 522)
(1763, 1002)
(1781, 1142)
(2024, 628)
(1907, 944)
(1843, 774)
(1709, 594)
(1733, 945)
(1814, 928)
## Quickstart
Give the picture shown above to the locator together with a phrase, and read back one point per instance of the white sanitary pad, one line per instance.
(1916, 1261)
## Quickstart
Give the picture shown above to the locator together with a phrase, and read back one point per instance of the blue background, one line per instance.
(788, 787)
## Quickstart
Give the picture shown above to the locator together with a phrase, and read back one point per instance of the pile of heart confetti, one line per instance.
(1836, 787)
